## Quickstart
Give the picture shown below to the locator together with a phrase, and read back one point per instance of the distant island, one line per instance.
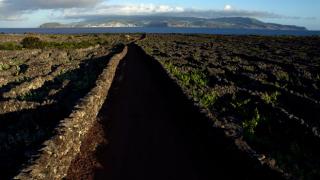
(184, 22)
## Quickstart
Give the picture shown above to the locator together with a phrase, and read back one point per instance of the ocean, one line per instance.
(157, 30)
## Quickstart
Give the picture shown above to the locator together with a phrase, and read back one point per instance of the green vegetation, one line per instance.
(32, 43)
(196, 77)
(10, 46)
(36, 43)
(42, 78)
(270, 98)
(4, 67)
(208, 99)
(248, 68)
(196, 80)
(251, 119)
(239, 79)
(249, 125)
(197, 55)
(69, 45)
(236, 59)
(15, 61)
(282, 75)
(258, 83)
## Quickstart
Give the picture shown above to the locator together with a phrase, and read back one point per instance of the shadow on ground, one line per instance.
(22, 133)
(154, 132)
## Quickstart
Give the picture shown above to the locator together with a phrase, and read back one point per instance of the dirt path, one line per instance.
(152, 133)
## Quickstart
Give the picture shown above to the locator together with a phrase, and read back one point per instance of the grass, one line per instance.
(37, 43)
(10, 46)
(69, 45)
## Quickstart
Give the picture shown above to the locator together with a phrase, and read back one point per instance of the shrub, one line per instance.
(4, 67)
(208, 99)
(282, 75)
(250, 125)
(36, 43)
(32, 42)
(270, 98)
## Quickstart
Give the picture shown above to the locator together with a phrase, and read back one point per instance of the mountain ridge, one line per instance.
(183, 22)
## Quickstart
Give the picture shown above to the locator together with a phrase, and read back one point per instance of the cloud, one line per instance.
(48, 4)
(229, 13)
(6, 14)
(105, 10)
(14, 9)
(227, 7)
(164, 10)
(89, 9)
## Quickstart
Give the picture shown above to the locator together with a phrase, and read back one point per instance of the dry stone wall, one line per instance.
(58, 153)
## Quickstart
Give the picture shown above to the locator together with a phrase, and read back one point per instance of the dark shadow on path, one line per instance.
(155, 133)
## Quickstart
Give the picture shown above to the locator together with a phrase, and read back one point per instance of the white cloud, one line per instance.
(14, 9)
(88, 9)
(228, 7)
(150, 9)
(48, 4)
(141, 9)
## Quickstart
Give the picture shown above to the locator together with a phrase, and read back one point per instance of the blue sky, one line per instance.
(32, 13)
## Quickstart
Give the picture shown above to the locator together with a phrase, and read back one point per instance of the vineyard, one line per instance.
(263, 91)
(156, 106)
(42, 78)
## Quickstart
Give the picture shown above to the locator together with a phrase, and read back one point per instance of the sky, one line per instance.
(32, 13)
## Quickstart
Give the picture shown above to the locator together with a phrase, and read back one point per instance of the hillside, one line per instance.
(185, 22)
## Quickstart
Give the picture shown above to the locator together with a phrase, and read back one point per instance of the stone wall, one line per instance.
(58, 152)
(226, 132)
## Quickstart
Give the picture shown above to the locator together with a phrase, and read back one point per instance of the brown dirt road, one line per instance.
(148, 130)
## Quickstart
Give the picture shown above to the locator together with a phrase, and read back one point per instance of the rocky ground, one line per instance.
(148, 129)
(40, 85)
(262, 90)
(182, 106)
